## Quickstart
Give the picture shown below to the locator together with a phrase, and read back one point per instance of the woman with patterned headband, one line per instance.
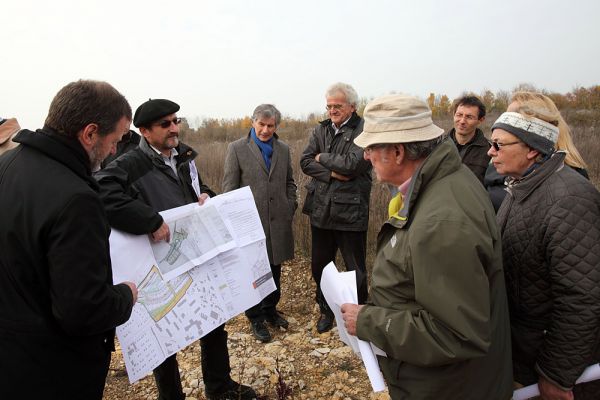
(550, 225)
(531, 103)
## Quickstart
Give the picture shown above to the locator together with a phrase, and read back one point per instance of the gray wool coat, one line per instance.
(274, 191)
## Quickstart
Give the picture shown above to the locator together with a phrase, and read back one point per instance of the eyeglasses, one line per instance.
(497, 145)
(165, 123)
(468, 117)
(372, 147)
(329, 107)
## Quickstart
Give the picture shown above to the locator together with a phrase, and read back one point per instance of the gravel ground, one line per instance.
(312, 365)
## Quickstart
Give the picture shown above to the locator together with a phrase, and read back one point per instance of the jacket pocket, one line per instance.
(345, 208)
(309, 202)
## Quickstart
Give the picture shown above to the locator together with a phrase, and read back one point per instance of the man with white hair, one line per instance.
(438, 301)
(337, 198)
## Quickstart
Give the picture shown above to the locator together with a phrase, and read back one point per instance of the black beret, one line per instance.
(152, 110)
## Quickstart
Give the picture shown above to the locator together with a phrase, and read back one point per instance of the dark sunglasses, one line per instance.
(165, 123)
(497, 146)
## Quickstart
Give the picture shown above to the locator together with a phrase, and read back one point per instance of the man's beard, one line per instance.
(95, 158)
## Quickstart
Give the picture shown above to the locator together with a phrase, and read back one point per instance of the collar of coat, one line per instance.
(186, 153)
(522, 188)
(477, 140)
(443, 161)
(352, 122)
(62, 149)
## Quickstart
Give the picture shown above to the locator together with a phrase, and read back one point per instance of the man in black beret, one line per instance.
(158, 175)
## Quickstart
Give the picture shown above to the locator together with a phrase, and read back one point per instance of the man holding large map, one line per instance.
(158, 175)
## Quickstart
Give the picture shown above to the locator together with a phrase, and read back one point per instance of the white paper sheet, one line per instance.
(339, 288)
(591, 373)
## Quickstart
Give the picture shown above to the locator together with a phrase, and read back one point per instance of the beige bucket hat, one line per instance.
(397, 118)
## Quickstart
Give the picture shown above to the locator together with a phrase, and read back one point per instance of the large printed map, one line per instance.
(177, 306)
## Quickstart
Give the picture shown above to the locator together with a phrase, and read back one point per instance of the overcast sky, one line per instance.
(222, 58)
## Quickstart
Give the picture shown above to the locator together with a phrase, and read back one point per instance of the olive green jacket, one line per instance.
(438, 302)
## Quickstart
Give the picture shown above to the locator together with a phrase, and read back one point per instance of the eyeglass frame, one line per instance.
(337, 107)
(166, 123)
(498, 146)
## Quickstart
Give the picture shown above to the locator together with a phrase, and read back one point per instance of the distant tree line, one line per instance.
(584, 100)
(580, 98)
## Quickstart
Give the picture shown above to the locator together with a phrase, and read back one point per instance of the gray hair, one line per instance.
(347, 90)
(267, 111)
(419, 150)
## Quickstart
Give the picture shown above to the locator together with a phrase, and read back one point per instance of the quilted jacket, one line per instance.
(550, 223)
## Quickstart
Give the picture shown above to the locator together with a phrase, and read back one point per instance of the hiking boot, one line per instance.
(260, 331)
(325, 323)
(235, 391)
(277, 320)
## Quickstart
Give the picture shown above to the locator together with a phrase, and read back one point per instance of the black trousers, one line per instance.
(268, 305)
(352, 246)
(215, 368)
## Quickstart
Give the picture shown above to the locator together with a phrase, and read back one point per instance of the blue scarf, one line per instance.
(266, 148)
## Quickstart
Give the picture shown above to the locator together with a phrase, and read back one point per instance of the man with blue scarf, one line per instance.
(262, 161)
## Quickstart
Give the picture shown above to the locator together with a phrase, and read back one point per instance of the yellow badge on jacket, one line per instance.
(396, 204)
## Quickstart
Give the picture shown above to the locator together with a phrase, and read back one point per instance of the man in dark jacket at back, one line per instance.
(469, 113)
(337, 198)
(58, 304)
(158, 175)
(130, 141)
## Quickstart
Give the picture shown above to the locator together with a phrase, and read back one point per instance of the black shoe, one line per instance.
(325, 323)
(277, 320)
(260, 331)
(235, 391)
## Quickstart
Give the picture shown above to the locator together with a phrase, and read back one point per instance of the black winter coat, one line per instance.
(331, 203)
(137, 185)
(474, 154)
(550, 224)
(58, 306)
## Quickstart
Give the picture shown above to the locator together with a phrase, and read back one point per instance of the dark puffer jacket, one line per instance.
(550, 224)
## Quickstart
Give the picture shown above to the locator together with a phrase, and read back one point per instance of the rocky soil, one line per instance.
(312, 365)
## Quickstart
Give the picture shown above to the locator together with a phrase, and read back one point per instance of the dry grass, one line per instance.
(585, 128)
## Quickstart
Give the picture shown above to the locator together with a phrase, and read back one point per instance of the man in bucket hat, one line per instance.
(550, 221)
(438, 303)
